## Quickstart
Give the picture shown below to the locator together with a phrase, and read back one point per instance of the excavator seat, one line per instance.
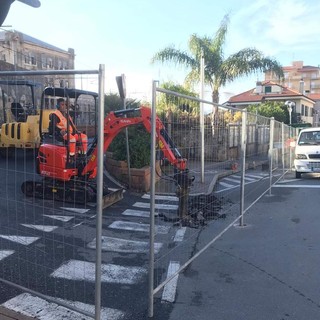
(51, 139)
(18, 112)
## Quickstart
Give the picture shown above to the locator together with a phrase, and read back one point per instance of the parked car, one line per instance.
(307, 151)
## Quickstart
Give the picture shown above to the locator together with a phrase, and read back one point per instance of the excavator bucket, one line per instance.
(112, 197)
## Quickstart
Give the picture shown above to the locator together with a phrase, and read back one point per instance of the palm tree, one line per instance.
(218, 71)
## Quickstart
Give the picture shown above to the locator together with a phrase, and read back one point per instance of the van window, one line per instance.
(311, 137)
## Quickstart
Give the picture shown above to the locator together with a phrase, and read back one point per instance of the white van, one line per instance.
(307, 152)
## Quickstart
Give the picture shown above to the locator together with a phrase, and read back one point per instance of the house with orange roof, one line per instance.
(274, 92)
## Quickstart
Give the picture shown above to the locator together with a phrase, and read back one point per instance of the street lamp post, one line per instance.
(290, 106)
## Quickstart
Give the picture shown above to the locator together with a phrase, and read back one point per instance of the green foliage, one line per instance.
(218, 70)
(113, 102)
(271, 109)
(139, 147)
(139, 138)
(177, 105)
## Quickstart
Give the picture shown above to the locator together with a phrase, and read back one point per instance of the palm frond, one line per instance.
(220, 36)
(170, 54)
(246, 62)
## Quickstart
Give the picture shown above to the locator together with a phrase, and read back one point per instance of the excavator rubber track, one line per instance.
(79, 192)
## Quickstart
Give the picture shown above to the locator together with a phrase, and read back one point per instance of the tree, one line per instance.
(113, 102)
(177, 104)
(218, 71)
(271, 109)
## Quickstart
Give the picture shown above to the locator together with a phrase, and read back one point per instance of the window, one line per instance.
(43, 61)
(33, 60)
(49, 63)
(27, 58)
(267, 89)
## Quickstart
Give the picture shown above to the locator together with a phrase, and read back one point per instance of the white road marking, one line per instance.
(35, 307)
(289, 180)
(124, 246)
(138, 213)
(296, 186)
(180, 234)
(133, 226)
(257, 176)
(21, 240)
(40, 227)
(169, 291)
(161, 197)
(157, 206)
(231, 179)
(77, 210)
(60, 218)
(227, 185)
(5, 253)
(111, 273)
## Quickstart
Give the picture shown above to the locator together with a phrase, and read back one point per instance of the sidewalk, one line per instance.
(213, 171)
(267, 270)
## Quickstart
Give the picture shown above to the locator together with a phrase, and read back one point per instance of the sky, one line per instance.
(125, 34)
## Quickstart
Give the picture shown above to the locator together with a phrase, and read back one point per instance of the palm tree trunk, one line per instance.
(218, 132)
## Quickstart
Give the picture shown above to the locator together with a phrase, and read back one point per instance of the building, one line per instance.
(19, 51)
(270, 91)
(305, 79)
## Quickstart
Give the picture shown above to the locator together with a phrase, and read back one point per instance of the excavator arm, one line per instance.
(116, 121)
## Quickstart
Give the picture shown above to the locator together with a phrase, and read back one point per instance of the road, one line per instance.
(50, 247)
(267, 270)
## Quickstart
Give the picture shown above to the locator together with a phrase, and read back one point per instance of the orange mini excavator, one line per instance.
(75, 181)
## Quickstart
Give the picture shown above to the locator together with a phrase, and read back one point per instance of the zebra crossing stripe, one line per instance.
(161, 197)
(227, 185)
(124, 246)
(5, 253)
(111, 273)
(21, 240)
(60, 218)
(169, 290)
(77, 210)
(35, 307)
(40, 227)
(180, 234)
(257, 176)
(134, 226)
(232, 180)
(163, 206)
(138, 213)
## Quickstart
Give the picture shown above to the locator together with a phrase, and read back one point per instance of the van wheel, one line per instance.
(298, 175)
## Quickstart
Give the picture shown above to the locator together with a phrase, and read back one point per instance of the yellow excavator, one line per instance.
(20, 115)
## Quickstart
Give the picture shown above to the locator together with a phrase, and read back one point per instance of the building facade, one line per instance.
(19, 51)
(305, 79)
(303, 106)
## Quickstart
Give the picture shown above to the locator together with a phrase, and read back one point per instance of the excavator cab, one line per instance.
(81, 108)
(18, 115)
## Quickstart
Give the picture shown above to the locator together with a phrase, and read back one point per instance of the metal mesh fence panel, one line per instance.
(48, 238)
(213, 149)
(47, 227)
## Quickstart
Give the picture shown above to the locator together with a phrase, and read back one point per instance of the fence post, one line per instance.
(152, 200)
(202, 115)
(270, 152)
(243, 162)
(99, 195)
(282, 148)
